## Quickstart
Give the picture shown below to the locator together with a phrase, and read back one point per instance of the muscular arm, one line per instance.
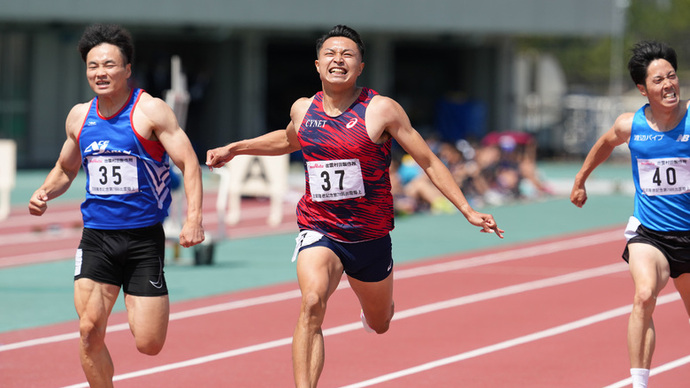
(278, 142)
(601, 150)
(387, 117)
(164, 125)
(66, 168)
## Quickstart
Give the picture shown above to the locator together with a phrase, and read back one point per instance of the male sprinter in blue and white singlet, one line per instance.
(658, 233)
(123, 138)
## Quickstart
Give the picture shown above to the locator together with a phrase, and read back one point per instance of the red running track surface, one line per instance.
(546, 314)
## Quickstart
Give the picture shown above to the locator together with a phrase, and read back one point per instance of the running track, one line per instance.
(551, 313)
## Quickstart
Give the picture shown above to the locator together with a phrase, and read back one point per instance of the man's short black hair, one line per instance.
(344, 31)
(644, 53)
(107, 33)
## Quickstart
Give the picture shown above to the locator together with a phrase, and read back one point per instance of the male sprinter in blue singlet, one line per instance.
(345, 216)
(658, 233)
(123, 138)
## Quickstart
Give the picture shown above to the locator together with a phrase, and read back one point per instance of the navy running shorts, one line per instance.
(130, 258)
(367, 261)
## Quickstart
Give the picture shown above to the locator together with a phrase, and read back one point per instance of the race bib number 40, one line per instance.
(114, 175)
(664, 176)
(334, 180)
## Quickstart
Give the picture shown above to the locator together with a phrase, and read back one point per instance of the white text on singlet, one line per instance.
(113, 175)
(333, 180)
(664, 176)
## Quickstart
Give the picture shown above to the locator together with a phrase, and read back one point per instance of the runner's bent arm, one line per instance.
(601, 150)
(179, 148)
(67, 166)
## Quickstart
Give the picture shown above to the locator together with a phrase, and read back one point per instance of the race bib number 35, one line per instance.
(114, 175)
(334, 180)
(664, 176)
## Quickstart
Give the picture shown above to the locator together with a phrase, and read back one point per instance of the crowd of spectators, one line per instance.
(499, 169)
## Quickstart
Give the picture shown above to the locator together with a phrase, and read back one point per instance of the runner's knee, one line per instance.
(645, 298)
(382, 325)
(313, 307)
(92, 336)
(150, 346)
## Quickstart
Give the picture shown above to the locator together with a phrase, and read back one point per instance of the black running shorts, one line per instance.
(674, 245)
(130, 258)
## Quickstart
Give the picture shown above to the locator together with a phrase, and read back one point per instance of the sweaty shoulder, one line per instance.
(384, 115)
(151, 106)
(385, 107)
(299, 110)
(623, 126)
(153, 115)
(75, 119)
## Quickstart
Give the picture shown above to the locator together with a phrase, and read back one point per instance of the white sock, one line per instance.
(639, 377)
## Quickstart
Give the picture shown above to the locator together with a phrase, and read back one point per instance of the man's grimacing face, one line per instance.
(339, 60)
(661, 83)
(106, 70)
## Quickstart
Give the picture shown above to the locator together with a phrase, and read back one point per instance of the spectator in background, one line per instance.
(501, 170)
(508, 163)
(413, 191)
(459, 158)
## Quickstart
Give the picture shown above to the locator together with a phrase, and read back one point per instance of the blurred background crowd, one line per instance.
(500, 168)
(495, 93)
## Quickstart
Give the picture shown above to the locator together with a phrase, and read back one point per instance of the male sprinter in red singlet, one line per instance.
(345, 134)
(123, 138)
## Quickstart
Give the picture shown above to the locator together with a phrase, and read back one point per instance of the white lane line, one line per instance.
(556, 330)
(654, 371)
(425, 309)
(492, 258)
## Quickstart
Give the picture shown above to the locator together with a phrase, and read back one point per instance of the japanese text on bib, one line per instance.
(664, 176)
(113, 175)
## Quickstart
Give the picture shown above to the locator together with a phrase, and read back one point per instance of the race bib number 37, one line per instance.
(334, 180)
(114, 175)
(664, 176)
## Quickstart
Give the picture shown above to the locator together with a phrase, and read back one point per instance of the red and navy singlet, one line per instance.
(348, 190)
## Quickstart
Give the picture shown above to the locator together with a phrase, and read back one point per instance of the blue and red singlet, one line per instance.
(127, 176)
(348, 190)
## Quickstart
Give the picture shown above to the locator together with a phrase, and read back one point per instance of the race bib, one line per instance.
(334, 180)
(114, 175)
(664, 176)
